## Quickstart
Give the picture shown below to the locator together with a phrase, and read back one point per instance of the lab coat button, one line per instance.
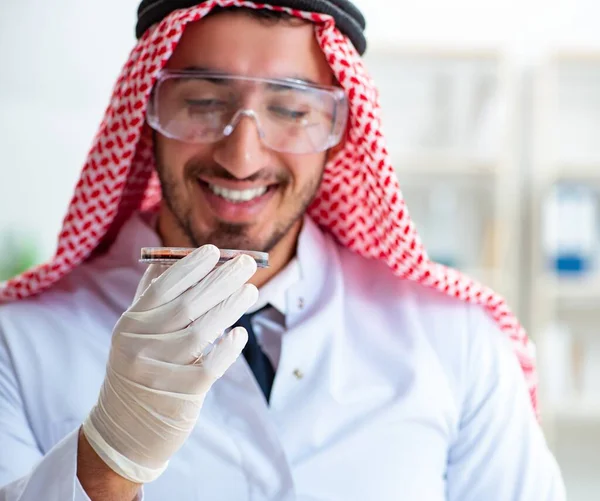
(298, 374)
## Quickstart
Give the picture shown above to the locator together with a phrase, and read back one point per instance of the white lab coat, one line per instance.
(385, 390)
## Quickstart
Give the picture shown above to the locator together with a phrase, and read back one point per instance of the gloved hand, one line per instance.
(156, 378)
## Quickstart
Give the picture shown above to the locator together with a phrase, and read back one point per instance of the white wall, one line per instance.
(60, 59)
(59, 62)
(525, 28)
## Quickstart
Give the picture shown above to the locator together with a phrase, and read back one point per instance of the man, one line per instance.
(362, 376)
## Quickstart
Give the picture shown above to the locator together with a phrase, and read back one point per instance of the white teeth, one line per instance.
(237, 195)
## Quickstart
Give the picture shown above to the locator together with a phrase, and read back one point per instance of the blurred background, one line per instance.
(492, 115)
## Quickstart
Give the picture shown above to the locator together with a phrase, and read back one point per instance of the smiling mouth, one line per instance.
(238, 196)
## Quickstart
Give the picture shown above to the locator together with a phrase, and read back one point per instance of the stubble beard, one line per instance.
(233, 235)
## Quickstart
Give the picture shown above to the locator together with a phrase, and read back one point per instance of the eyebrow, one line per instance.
(296, 78)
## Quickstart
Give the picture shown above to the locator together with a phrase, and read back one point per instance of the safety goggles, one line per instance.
(291, 116)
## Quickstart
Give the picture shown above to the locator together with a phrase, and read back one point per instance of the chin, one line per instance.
(229, 236)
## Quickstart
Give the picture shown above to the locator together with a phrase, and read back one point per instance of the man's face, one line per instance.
(238, 44)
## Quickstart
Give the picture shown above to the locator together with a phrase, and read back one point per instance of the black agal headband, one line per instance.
(348, 18)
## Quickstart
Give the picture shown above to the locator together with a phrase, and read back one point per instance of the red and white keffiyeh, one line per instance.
(359, 201)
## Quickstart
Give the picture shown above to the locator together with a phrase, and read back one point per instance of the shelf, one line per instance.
(572, 289)
(575, 409)
(443, 163)
(577, 172)
(576, 56)
(390, 48)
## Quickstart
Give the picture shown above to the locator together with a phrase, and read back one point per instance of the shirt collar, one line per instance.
(275, 290)
(298, 284)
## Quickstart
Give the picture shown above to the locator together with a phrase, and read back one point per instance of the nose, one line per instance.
(241, 151)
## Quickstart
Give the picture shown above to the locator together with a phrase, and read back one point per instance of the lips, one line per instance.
(238, 196)
(237, 205)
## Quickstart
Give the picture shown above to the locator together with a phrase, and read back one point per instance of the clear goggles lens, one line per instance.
(291, 116)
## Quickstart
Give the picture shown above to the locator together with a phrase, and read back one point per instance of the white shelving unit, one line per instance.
(454, 127)
(449, 120)
(565, 306)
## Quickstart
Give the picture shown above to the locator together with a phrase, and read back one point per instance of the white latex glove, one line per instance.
(156, 379)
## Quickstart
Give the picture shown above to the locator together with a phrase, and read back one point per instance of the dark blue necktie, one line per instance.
(257, 360)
